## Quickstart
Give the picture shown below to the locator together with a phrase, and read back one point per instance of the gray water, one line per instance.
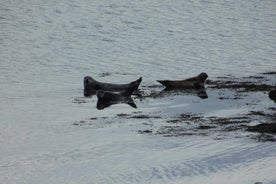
(46, 49)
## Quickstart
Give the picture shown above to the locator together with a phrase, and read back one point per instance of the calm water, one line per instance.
(47, 48)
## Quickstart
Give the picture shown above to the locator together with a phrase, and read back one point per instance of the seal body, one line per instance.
(91, 86)
(190, 83)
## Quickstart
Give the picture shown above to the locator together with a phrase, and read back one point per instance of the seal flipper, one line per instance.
(136, 83)
(131, 103)
(165, 83)
(130, 90)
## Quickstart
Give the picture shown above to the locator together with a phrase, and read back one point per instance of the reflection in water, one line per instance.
(101, 104)
(201, 93)
(106, 98)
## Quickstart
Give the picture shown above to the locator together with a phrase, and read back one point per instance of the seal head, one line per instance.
(90, 86)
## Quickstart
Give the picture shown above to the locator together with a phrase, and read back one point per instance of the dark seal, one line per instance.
(197, 82)
(91, 86)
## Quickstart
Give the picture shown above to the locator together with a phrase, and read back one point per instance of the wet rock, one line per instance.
(272, 95)
(263, 128)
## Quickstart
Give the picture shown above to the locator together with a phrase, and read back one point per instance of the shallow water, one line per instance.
(48, 47)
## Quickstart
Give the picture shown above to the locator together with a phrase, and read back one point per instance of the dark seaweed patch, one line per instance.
(259, 113)
(269, 73)
(242, 86)
(263, 137)
(263, 128)
(79, 100)
(144, 131)
(138, 116)
(186, 118)
(205, 127)
(143, 116)
(80, 123)
(123, 115)
(104, 74)
(229, 120)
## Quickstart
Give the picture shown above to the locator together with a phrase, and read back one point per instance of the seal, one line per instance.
(91, 86)
(190, 83)
(108, 98)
